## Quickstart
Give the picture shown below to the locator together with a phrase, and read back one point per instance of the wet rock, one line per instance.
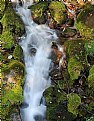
(1, 28)
(39, 118)
(68, 32)
(15, 116)
(56, 75)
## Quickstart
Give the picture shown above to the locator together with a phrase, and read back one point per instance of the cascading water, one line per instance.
(37, 37)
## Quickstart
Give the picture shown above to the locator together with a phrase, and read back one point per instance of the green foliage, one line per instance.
(73, 102)
(58, 10)
(74, 68)
(91, 77)
(84, 22)
(17, 53)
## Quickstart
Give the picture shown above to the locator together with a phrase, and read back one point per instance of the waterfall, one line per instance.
(37, 38)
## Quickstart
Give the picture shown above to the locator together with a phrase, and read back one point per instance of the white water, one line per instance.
(37, 66)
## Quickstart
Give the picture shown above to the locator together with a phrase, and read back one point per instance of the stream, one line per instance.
(37, 38)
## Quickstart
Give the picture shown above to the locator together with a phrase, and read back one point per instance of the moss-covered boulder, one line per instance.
(58, 12)
(57, 105)
(75, 48)
(11, 94)
(12, 91)
(38, 12)
(74, 68)
(76, 57)
(18, 52)
(74, 101)
(89, 47)
(13, 27)
(91, 77)
(12, 21)
(2, 8)
(84, 22)
(7, 39)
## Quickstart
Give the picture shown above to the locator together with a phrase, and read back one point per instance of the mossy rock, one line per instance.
(84, 22)
(17, 53)
(2, 8)
(58, 12)
(13, 27)
(7, 39)
(10, 97)
(75, 49)
(59, 112)
(74, 101)
(68, 32)
(74, 68)
(38, 12)
(89, 47)
(17, 66)
(12, 22)
(91, 77)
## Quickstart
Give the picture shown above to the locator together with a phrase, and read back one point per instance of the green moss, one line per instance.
(17, 66)
(17, 53)
(75, 49)
(2, 8)
(57, 10)
(89, 46)
(74, 68)
(12, 21)
(91, 77)
(7, 39)
(84, 22)
(13, 27)
(12, 96)
(76, 57)
(38, 10)
(73, 102)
